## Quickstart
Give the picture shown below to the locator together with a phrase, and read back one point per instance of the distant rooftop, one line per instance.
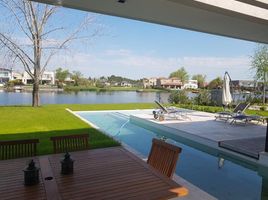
(5, 69)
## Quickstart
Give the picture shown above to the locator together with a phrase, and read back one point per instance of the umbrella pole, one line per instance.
(266, 141)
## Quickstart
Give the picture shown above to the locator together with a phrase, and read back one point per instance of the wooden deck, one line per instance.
(250, 146)
(111, 173)
(12, 180)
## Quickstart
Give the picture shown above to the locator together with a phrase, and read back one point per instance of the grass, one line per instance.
(214, 109)
(25, 122)
(21, 122)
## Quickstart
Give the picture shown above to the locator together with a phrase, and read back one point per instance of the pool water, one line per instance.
(212, 172)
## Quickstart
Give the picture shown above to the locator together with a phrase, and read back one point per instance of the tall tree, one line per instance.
(260, 65)
(61, 74)
(30, 37)
(76, 76)
(201, 79)
(215, 83)
(180, 74)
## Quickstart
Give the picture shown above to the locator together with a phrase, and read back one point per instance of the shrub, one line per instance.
(203, 98)
(179, 97)
(99, 84)
(211, 109)
(13, 83)
(262, 108)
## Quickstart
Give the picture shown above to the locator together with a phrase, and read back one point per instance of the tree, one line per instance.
(61, 74)
(178, 97)
(201, 79)
(203, 98)
(76, 76)
(34, 41)
(260, 65)
(215, 83)
(180, 74)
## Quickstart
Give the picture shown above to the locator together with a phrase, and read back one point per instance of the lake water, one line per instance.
(25, 98)
(90, 97)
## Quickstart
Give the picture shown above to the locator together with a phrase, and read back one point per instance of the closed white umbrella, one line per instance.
(226, 94)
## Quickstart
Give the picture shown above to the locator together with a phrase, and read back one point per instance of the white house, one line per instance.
(46, 78)
(5, 75)
(190, 84)
(149, 82)
(126, 84)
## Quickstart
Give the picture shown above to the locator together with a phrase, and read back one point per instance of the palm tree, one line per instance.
(201, 79)
(180, 74)
(215, 83)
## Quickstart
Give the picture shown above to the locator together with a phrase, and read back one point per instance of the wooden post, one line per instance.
(266, 140)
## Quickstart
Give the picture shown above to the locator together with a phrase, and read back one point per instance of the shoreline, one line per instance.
(81, 89)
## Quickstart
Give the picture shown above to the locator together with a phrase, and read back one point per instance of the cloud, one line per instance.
(127, 63)
(215, 61)
(118, 52)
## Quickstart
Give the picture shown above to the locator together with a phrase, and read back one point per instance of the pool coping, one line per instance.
(194, 191)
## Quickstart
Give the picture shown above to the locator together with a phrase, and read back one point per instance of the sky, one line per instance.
(136, 49)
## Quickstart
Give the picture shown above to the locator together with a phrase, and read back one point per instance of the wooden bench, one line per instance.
(163, 157)
(18, 148)
(68, 143)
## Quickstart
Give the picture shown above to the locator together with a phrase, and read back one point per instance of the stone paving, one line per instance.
(204, 125)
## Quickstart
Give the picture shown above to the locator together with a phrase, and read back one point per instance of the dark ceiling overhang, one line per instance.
(242, 19)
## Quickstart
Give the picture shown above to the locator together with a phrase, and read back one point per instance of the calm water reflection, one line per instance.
(18, 98)
(90, 97)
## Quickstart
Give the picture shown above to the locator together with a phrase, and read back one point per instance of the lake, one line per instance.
(25, 98)
(91, 97)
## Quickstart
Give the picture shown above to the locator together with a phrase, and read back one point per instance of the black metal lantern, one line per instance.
(31, 174)
(67, 164)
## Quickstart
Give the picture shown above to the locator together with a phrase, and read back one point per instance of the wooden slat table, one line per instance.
(110, 173)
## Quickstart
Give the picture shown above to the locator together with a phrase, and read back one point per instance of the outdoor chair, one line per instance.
(163, 157)
(248, 118)
(171, 112)
(69, 143)
(18, 148)
(238, 110)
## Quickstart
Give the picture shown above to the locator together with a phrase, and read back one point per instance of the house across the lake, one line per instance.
(125, 84)
(46, 78)
(190, 84)
(149, 82)
(5, 75)
(169, 83)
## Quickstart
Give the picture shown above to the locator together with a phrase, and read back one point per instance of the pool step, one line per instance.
(120, 115)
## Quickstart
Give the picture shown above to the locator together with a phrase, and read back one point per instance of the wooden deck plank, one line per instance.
(51, 187)
(12, 181)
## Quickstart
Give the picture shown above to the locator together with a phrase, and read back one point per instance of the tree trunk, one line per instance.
(264, 93)
(35, 99)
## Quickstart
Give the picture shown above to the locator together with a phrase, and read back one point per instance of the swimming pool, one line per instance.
(214, 173)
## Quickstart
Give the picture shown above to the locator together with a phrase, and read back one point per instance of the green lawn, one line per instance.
(21, 122)
(215, 109)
